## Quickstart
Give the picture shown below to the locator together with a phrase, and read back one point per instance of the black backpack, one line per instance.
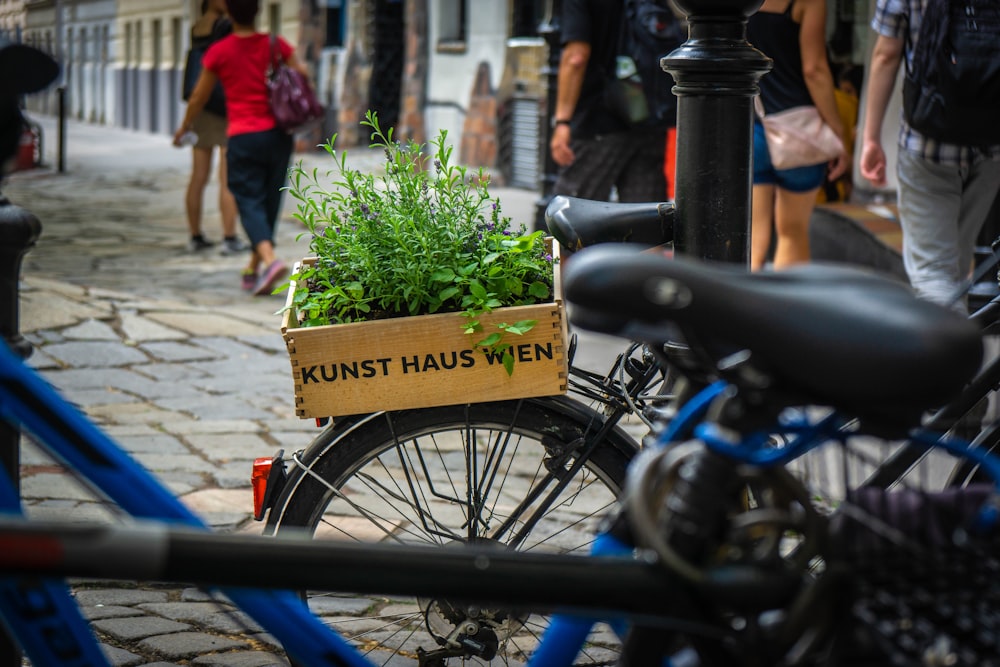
(192, 67)
(649, 32)
(951, 91)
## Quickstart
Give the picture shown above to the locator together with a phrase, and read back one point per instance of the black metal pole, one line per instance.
(716, 72)
(18, 231)
(550, 31)
(61, 134)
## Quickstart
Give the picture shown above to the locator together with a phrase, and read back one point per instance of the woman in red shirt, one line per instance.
(258, 152)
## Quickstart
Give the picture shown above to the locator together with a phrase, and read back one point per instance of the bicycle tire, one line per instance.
(382, 463)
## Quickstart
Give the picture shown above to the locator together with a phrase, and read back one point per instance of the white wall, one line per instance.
(453, 73)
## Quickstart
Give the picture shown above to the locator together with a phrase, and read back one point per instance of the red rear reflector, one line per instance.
(258, 480)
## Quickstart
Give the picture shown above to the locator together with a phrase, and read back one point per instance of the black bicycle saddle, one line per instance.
(578, 223)
(845, 336)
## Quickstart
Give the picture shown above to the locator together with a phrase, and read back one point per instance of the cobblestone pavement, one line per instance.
(161, 348)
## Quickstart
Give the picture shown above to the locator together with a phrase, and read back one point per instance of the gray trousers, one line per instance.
(941, 210)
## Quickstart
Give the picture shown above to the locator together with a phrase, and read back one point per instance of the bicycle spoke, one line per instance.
(421, 504)
(401, 526)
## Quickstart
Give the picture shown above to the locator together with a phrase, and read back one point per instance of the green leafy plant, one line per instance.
(423, 237)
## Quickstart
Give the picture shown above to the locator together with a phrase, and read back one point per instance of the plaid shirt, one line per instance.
(892, 19)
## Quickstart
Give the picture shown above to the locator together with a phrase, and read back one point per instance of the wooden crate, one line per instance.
(422, 361)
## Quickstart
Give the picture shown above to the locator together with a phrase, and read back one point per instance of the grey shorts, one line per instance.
(211, 130)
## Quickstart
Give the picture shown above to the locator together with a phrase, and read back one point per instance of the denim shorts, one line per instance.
(799, 179)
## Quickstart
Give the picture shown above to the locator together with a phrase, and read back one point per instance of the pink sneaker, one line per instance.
(248, 280)
(271, 277)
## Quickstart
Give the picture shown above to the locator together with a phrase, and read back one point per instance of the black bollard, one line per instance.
(716, 72)
(19, 230)
(550, 31)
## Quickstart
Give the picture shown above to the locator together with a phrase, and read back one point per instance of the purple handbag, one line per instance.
(293, 101)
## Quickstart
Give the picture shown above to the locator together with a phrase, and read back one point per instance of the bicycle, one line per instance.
(390, 476)
(533, 474)
(757, 566)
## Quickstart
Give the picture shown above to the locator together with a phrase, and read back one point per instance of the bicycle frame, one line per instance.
(31, 405)
(178, 547)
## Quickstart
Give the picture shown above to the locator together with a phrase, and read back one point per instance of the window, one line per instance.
(157, 43)
(527, 15)
(138, 43)
(334, 23)
(452, 30)
(177, 40)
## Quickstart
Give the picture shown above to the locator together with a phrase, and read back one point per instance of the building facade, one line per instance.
(472, 68)
(424, 65)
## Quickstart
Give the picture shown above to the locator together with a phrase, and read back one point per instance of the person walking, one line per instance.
(793, 34)
(210, 130)
(596, 150)
(258, 152)
(945, 189)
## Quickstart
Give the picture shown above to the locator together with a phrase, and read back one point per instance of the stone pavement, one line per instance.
(161, 348)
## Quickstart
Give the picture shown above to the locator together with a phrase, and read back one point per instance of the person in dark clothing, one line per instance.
(793, 34)
(595, 149)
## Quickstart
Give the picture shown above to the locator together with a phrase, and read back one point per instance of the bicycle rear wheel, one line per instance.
(526, 475)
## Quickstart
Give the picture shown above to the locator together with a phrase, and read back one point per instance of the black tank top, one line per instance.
(777, 36)
(222, 27)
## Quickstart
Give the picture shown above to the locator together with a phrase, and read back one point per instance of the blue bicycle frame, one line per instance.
(55, 632)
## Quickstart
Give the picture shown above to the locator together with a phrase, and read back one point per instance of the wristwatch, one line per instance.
(559, 121)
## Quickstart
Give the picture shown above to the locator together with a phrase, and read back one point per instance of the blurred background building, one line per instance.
(475, 68)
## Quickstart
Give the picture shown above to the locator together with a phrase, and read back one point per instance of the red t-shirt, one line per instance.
(241, 64)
